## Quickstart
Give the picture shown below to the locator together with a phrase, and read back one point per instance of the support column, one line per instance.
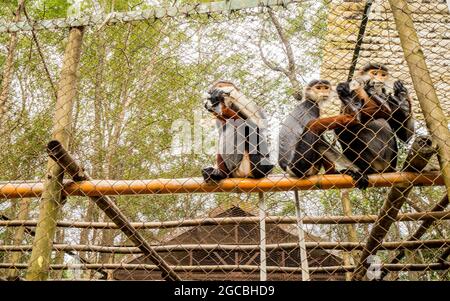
(52, 198)
(262, 235)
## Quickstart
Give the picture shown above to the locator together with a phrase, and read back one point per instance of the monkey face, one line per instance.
(320, 92)
(378, 76)
(378, 79)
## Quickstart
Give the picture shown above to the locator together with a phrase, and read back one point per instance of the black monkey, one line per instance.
(303, 150)
(243, 147)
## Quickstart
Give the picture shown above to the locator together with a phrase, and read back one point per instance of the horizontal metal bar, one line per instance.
(148, 14)
(197, 185)
(315, 220)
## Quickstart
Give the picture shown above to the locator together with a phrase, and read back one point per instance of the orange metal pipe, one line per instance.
(197, 185)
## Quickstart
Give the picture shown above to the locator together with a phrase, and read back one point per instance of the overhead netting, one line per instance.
(105, 134)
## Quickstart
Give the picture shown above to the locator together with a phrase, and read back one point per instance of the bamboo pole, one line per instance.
(60, 155)
(341, 246)
(52, 196)
(301, 239)
(262, 237)
(429, 216)
(235, 268)
(273, 183)
(440, 206)
(418, 157)
(426, 93)
(18, 236)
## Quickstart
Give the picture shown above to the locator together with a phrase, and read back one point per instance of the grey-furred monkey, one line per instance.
(303, 151)
(243, 147)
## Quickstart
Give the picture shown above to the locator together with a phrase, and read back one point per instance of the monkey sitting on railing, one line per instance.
(303, 151)
(243, 147)
(383, 111)
(373, 94)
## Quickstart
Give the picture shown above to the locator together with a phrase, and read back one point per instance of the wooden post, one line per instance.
(18, 237)
(426, 93)
(262, 235)
(52, 195)
(351, 230)
(301, 239)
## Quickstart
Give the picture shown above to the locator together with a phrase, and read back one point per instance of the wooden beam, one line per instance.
(310, 245)
(29, 231)
(190, 9)
(435, 118)
(301, 238)
(234, 268)
(262, 238)
(314, 220)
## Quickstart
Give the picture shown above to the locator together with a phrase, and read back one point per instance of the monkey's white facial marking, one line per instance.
(378, 75)
(318, 93)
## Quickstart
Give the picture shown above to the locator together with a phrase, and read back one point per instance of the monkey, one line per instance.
(303, 151)
(383, 117)
(372, 95)
(243, 147)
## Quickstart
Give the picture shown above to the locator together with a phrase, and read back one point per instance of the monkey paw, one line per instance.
(211, 174)
(216, 96)
(343, 90)
(399, 87)
(362, 180)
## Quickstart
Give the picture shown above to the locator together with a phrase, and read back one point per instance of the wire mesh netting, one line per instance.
(239, 140)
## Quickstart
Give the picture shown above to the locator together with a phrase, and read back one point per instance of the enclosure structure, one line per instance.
(242, 241)
(112, 100)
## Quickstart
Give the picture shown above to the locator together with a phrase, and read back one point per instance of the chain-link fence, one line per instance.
(236, 140)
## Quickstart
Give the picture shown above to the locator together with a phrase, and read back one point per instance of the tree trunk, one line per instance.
(108, 235)
(52, 196)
